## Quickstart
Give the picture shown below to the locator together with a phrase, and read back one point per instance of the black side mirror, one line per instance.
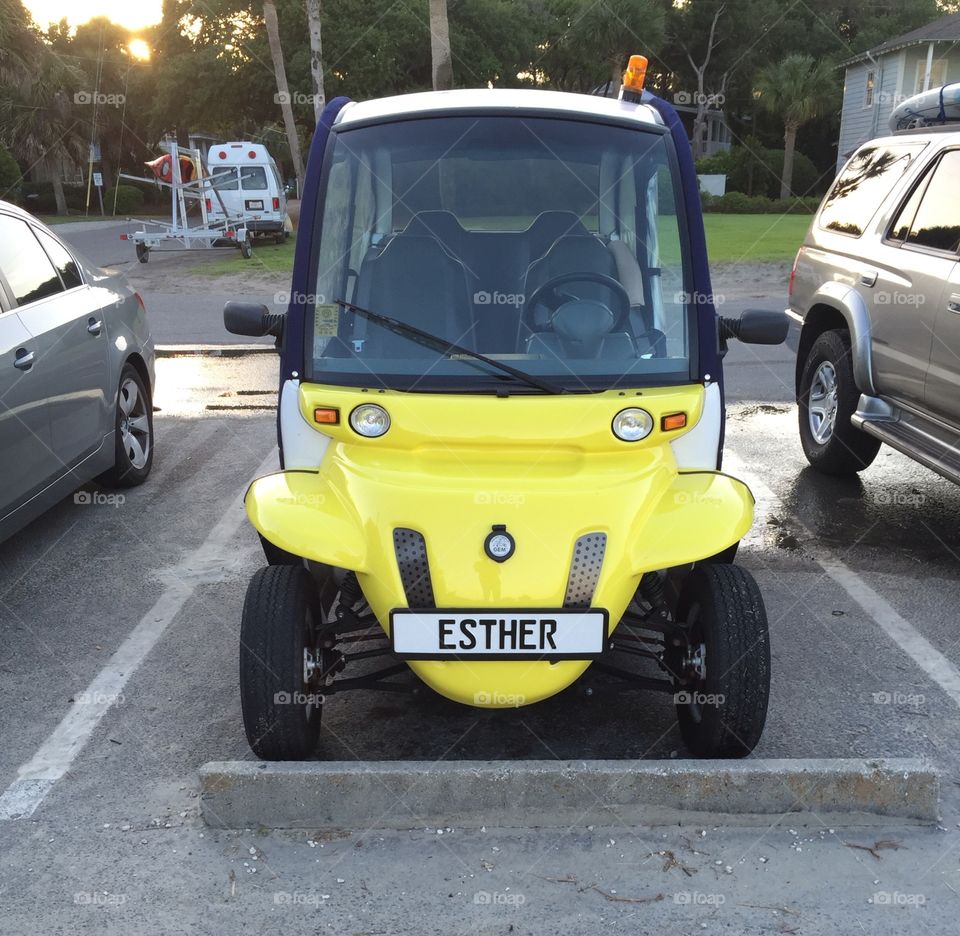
(756, 326)
(252, 319)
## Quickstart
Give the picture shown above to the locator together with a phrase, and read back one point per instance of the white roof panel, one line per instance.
(426, 102)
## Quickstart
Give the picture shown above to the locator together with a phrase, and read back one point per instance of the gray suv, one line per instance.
(876, 290)
(76, 374)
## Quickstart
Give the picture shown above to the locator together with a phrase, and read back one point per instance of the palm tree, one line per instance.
(797, 89)
(38, 121)
(283, 90)
(440, 55)
(316, 56)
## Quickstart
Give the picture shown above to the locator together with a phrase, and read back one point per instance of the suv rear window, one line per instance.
(929, 217)
(863, 185)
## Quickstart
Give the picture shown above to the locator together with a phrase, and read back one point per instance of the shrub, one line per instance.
(38, 197)
(129, 199)
(10, 177)
(755, 170)
(738, 203)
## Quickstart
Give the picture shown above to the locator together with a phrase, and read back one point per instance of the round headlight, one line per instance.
(632, 424)
(370, 420)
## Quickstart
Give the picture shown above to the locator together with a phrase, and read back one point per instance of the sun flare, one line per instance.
(139, 50)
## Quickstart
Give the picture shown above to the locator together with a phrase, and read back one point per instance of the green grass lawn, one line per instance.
(72, 219)
(267, 258)
(734, 238)
(731, 238)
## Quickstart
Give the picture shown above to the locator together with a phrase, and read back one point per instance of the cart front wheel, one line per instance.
(279, 670)
(724, 681)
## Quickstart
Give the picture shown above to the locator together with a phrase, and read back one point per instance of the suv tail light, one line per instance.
(793, 272)
(276, 204)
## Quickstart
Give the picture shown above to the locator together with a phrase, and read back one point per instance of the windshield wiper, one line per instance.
(441, 344)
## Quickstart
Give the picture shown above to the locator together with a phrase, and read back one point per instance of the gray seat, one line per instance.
(442, 225)
(415, 280)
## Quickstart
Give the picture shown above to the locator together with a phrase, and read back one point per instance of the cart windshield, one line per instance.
(554, 245)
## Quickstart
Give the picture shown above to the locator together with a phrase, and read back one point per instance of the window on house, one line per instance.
(871, 85)
(938, 74)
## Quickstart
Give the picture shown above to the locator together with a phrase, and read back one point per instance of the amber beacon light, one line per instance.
(631, 88)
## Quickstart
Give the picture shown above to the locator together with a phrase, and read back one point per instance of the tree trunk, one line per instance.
(316, 56)
(283, 91)
(440, 55)
(789, 142)
(58, 191)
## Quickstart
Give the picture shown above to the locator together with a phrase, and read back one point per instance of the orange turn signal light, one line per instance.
(636, 73)
(326, 416)
(673, 421)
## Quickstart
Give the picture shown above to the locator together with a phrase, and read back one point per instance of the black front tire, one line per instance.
(845, 450)
(281, 707)
(723, 713)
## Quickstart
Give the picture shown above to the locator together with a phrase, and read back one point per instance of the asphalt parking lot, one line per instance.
(120, 620)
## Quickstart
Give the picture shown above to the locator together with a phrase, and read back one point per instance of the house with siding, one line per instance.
(879, 79)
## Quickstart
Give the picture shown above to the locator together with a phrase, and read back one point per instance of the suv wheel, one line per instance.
(828, 398)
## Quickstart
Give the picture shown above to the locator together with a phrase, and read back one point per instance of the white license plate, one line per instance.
(255, 205)
(492, 634)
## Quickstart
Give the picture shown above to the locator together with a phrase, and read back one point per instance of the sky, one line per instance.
(132, 15)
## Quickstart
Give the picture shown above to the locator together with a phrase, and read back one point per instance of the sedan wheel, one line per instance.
(133, 432)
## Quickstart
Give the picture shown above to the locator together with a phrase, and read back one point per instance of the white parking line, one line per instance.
(937, 666)
(36, 778)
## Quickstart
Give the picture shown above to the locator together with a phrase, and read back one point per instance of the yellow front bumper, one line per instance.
(547, 467)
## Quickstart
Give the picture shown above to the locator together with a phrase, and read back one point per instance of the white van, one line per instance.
(249, 185)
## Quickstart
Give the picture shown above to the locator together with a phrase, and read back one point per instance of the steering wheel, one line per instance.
(549, 295)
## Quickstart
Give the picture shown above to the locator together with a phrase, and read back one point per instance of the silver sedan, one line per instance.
(76, 374)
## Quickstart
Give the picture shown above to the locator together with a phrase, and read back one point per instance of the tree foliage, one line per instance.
(211, 68)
